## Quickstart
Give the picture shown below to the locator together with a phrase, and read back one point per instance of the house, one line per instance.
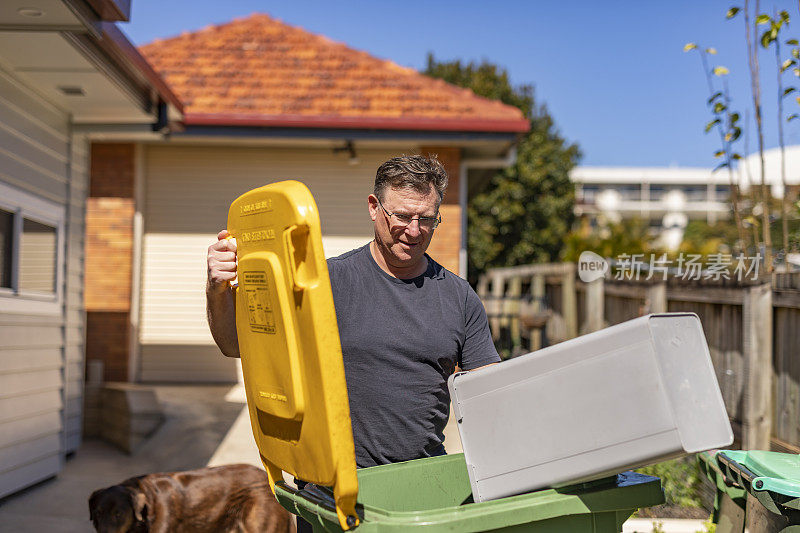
(66, 74)
(264, 101)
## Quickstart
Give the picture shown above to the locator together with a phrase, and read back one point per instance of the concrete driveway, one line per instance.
(206, 425)
(198, 419)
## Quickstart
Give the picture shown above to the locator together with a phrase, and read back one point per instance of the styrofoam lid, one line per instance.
(686, 369)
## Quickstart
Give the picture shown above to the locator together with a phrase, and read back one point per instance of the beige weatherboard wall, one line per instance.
(188, 190)
(67, 74)
(43, 183)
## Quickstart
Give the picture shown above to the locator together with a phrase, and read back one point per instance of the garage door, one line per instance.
(187, 194)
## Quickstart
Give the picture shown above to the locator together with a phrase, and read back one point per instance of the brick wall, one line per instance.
(446, 241)
(109, 257)
(108, 339)
(112, 170)
(109, 252)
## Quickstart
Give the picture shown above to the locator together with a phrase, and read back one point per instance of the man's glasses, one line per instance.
(425, 223)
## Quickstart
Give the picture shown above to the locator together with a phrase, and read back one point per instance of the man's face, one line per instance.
(405, 244)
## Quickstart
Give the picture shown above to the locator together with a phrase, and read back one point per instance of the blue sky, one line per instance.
(613, 74)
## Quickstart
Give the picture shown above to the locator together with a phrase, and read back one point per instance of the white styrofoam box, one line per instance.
(633, 394)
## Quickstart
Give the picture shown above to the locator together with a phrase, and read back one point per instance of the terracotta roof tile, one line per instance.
(260, 70)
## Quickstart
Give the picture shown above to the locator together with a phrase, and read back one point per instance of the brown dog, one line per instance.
(223, 498)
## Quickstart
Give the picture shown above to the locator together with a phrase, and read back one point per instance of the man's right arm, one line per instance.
(220, 296)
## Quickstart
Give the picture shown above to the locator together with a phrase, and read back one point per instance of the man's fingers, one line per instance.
(223, 242)
(221, 261)
(222, 256)
(228, 266)
(224, 245)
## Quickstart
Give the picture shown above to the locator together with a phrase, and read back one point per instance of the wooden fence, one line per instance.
(752, 328)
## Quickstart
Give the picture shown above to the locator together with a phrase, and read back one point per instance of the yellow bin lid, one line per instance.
(289, 342)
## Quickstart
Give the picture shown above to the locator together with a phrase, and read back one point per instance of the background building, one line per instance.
(668, 197)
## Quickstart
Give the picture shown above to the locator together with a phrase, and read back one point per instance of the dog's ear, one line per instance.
(93, 503)
(139, 506)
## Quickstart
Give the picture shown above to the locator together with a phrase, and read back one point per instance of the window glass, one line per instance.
(657, 192)
(37, 257)
(588, 193)
(629, 192)
(6, 247)
(695, 193)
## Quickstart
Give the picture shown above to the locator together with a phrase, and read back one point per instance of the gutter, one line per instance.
(376, 123)
(113, 55)
(117, 46)
(111, 52)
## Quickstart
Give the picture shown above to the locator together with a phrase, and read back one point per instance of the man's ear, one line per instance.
(139, 506)
(373, 206)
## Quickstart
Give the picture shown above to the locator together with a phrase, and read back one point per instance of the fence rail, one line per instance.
(752, 328)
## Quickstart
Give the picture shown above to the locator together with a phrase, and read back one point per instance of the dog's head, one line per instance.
(118, 509)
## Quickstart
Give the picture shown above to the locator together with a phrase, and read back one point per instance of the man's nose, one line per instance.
(413, 228)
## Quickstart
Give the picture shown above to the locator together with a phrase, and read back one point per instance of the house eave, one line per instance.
(250, 133)
(416, 124)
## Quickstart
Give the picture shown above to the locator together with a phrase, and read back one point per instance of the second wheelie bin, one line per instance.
(756, 491)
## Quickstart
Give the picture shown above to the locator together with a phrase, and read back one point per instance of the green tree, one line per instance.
(526, 210)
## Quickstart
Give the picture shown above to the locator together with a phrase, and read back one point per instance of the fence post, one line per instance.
(498, 288)
(537, 293)
(569, 301)
(483, 287)
(594, 306)
(657, 297)
(511, 307)
(757, 347)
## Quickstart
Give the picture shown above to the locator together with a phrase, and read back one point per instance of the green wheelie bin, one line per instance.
(756, 491)
(300, 416)
(434, 495)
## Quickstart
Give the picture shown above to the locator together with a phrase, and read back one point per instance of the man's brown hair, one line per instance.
(411, 172)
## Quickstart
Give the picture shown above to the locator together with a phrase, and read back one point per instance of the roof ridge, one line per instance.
(208, 27)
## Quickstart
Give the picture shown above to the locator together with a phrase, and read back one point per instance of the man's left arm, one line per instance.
(478, 350)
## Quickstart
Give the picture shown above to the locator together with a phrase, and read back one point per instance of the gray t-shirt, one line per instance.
(401, 340)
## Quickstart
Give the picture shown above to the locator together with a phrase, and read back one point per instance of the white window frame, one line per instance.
(26, 205)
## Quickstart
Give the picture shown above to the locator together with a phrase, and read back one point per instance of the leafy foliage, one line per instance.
(628, 236)
(680, 479)
(725, 120)
(709, 527)
(705, 239)
(526, 210)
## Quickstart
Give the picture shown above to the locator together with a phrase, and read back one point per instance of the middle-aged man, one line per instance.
(405, 322)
